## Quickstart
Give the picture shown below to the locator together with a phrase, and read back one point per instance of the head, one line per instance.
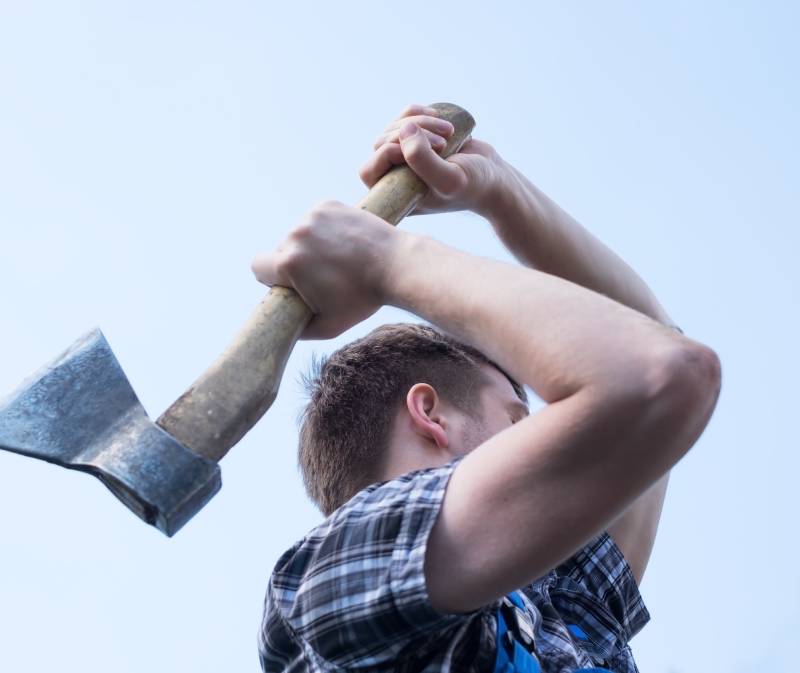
(406, 396)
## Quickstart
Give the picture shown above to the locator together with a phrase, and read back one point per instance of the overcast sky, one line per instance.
(148, 150)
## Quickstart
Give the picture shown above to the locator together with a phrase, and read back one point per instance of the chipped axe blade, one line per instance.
(80, 412)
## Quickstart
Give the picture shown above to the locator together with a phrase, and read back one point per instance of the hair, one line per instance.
(356, 392)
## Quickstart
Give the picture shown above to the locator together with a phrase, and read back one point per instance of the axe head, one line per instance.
(80, 412)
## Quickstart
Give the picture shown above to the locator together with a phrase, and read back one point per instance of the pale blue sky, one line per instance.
(149, 150)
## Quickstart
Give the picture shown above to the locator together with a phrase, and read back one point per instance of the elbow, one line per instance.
(684, 374)
(683, 390)
(696, 371)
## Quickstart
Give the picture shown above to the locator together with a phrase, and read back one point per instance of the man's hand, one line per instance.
(336, 260)
(464, 181)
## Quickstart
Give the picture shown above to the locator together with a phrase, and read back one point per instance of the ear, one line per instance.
(425, 409)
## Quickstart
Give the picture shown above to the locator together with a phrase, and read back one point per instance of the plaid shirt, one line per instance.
(351, 595)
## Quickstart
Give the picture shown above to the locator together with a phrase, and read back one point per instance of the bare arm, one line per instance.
(626, 398)
(545, 238)
(542, 236)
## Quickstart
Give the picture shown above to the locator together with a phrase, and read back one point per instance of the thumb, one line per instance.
(437, 173)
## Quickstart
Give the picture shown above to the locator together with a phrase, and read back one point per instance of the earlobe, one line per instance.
(424, 408)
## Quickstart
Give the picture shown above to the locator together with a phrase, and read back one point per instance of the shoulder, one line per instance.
(369, 522)
(358, 578)
(374, 515)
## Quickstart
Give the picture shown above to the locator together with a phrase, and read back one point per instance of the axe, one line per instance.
(80, 412)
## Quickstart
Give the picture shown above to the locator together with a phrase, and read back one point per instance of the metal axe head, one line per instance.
(79, 411)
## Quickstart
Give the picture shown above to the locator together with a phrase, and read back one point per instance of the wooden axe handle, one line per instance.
(231, 396)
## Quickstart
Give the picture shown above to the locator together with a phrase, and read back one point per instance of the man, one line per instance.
(462, 533)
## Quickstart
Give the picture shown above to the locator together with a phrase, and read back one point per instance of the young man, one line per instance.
(442, 494)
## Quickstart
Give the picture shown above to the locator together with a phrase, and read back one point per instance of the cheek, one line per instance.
(476, 431)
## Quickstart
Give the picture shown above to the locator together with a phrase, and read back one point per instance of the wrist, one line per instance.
(395, 255)
(408, 258)
(503, 193)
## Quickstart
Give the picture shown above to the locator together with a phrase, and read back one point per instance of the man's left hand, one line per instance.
(467, 180)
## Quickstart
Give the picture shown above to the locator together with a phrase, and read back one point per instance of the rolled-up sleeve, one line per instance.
(354, 590)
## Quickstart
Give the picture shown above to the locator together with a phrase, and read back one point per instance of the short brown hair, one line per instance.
(355, 394)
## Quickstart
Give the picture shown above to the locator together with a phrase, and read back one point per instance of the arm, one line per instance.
(542, 236)
(626, 397)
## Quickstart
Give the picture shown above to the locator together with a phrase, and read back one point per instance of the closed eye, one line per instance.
(517, 412)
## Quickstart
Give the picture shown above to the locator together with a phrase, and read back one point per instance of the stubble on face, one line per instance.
(473, 433)
(492, 414)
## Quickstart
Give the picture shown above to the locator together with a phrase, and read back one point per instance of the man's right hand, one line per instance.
(336, 259)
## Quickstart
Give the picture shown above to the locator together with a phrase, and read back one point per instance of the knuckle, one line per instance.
(414, 150)
(316, 210)
(297, 234)
(256, 271)
(257, 265)
(290, 260)
(331, 206)
(320, 212)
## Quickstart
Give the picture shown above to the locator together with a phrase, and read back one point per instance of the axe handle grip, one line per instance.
(229, 398)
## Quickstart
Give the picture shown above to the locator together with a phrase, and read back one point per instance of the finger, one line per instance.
(265, 267)
(414, 110)
(393, 136)
(437, 173)
(435, 124)
(387, 156)
(275, 268)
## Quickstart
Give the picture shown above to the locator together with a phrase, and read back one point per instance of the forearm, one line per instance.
(543, 236)
(550, 333)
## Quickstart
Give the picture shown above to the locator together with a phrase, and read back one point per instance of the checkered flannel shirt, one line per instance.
(351, 595)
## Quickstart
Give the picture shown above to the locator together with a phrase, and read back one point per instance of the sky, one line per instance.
(149, 150)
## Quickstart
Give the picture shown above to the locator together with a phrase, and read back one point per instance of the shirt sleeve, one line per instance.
(361, 599)
(595, 590)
